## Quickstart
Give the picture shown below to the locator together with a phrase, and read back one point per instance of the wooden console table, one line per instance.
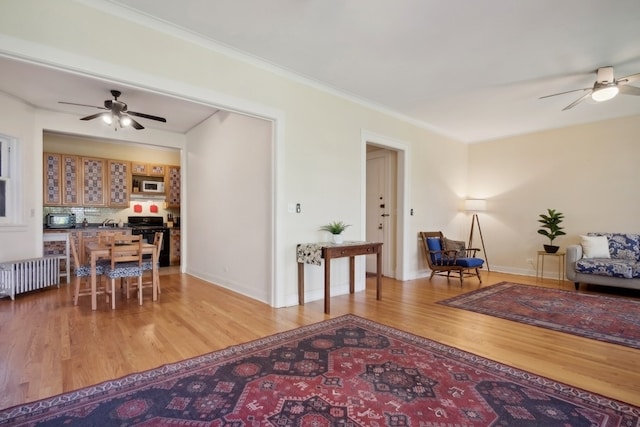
(310, 253)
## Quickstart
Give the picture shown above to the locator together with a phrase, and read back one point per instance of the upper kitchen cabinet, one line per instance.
(93, 180)
(61, 180)
(119, 183)
(173, 186)
(147, 169)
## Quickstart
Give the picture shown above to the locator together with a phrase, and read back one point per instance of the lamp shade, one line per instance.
(475, 205)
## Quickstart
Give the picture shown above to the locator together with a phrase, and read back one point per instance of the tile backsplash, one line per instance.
(98, 215)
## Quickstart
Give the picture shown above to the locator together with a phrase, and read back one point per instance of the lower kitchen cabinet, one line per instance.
(80, 236)
(175, 246)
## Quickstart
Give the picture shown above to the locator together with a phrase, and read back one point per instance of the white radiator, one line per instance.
(26, 275)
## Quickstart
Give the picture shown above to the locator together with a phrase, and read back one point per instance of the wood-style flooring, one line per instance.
(48, 346)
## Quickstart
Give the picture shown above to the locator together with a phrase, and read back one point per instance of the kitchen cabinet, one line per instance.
(172, 185)
(93, 179)
(70, 180)
(61, 174)
(175, 246)
(147, 169)
(119, 183)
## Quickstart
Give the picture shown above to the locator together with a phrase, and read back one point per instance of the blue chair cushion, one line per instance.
(470, 262)
(434, 244)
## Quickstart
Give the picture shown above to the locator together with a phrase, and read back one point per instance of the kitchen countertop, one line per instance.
(89, 227)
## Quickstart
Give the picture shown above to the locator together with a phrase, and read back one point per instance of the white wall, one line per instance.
(229, 171)
(590, 173)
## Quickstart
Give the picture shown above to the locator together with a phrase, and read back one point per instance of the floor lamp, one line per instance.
(475, 206)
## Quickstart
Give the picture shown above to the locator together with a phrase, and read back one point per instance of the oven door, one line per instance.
(149, 236)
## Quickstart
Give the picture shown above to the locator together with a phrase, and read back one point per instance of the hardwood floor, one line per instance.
(48, 346)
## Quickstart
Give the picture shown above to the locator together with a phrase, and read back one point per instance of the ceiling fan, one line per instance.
(117, 113)
(605, 88)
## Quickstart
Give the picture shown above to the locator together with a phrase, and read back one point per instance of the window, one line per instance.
(9, 206)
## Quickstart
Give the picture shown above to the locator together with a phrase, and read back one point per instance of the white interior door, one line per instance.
(380, 206)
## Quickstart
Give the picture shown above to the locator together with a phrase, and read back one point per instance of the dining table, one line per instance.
(99, 250)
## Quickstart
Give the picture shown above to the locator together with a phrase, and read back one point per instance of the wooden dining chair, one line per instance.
(106, 237)
(126, 262)
(82, 273)
(148, 264)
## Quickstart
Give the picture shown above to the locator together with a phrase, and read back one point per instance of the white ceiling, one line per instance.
(473, 70)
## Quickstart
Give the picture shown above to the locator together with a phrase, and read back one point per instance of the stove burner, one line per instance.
(146, 222)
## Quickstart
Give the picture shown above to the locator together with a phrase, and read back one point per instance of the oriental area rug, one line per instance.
(611, 319)
(345, 372)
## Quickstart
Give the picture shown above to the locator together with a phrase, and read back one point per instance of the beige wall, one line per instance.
(319, 154)
(588, 172)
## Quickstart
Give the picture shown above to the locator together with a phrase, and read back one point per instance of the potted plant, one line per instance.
(551, 228)
(335, 228)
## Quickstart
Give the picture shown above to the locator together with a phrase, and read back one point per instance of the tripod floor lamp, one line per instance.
(474, 206)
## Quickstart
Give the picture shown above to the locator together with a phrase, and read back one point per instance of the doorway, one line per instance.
(385, 175)
(381, 206)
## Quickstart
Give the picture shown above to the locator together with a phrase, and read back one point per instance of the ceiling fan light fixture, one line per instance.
(107, 118)
(606, 93)
(125, 120)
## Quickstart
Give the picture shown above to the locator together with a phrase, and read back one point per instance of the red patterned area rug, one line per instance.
(345, 372)
(611, 319)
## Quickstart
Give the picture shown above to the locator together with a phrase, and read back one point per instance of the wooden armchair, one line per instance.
(442, 260)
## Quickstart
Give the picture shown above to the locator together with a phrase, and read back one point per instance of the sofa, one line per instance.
(609, 259)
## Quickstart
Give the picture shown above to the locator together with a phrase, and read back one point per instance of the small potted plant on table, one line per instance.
(551, 228)
(335, 228)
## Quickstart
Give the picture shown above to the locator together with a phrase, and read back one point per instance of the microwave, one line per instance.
(60, 220)
(152, 187)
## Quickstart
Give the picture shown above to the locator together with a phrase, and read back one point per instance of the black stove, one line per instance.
(147, 222)
(148, 226)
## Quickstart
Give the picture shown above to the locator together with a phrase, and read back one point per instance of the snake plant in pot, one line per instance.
(551, 228)
(335, 228)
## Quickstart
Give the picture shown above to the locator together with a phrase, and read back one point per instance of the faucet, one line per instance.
(107, 222)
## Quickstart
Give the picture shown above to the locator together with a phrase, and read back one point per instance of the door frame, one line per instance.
(402, 151)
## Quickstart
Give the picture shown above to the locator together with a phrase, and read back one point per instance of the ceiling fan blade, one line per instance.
(628, 79)
(135, 124)
(577, 101)
(629, 90)
(147, 116)
(562, 93)
(93, 116)
(81, 105)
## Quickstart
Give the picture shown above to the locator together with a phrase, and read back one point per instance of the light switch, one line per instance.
(291, 207)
